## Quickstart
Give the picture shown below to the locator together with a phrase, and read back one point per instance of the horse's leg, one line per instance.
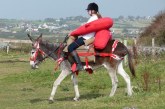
(112, 74)
(126, 77)
(61, 77)
(75, 83)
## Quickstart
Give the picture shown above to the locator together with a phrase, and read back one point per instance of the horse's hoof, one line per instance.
(51, 101)
(76, 99)
(111, 95)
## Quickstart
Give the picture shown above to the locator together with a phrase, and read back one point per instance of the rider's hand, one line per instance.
(69, 34)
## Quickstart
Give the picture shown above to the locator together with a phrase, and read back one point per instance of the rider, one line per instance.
(73, 43)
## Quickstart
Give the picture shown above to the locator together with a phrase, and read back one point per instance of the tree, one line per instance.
(49, 20)
(121, 17)
(131, 18)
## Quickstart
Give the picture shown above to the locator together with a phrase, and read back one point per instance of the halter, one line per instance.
(38, 50)
(37, 46)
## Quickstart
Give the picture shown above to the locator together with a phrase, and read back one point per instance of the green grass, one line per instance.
(23, 88)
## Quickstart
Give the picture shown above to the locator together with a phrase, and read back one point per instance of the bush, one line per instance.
(155, 30)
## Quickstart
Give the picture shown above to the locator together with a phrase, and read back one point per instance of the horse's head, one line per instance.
(37, 54)
(43, 49)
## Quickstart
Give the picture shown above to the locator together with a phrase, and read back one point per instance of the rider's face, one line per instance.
(89, 12)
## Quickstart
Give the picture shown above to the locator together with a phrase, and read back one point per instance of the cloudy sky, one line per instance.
(40, 9)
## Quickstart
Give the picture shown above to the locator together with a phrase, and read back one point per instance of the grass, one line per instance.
(23, 88)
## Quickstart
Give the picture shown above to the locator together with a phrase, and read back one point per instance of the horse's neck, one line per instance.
(52, 46)
(51, 49)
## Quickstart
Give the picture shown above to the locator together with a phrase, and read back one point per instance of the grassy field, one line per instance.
(24, 88)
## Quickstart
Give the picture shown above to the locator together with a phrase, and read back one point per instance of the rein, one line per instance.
(66, 37)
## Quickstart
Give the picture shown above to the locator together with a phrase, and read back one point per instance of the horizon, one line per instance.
(39, 10)
(67, 17)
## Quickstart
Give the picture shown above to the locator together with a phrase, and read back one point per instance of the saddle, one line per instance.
(87, 54)
(84, 52)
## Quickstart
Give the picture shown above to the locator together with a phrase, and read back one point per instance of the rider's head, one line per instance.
(93, 7)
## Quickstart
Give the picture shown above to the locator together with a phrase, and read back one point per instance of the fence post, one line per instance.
(125, 58)
(7, 48)
(134, 50)
(153, 47)
(57, 40)
(135, 41)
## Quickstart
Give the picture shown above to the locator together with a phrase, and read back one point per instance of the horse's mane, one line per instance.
(49, 45)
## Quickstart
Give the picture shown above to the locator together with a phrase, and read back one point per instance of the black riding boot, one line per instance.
(77, 61)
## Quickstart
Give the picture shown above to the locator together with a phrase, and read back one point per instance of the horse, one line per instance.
(111, 58)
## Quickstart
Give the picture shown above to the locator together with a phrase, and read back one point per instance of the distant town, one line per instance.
(55, 28)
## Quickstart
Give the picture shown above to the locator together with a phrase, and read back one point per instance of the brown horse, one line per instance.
(111, 61)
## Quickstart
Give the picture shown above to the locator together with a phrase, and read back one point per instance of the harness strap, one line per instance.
(101, 54)
(86, 58)
(111, 55)
(116, 57)
(85, 54)
(35, 56)
(43, 53)
(58, 63)
(114, 45)
(37, 46)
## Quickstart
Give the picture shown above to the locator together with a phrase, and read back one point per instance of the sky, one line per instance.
(41, 9)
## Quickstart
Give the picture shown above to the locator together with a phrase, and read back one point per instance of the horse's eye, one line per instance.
(32, 52)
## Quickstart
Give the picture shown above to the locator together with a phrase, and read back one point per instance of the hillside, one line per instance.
(155, 30)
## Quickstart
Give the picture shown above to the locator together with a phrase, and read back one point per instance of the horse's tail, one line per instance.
(130, 63)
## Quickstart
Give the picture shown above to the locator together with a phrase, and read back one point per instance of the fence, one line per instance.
(9, 44)
(148, 50)
(136, 49)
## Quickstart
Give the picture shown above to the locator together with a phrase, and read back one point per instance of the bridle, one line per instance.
(36, 53)
(40, 51)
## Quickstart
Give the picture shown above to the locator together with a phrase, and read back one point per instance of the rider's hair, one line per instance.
(97, 13)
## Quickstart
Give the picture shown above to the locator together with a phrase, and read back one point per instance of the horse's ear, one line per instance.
(30, 37)
(40, 37)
